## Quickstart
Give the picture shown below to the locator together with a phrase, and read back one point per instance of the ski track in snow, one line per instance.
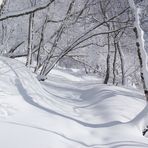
(66, 111)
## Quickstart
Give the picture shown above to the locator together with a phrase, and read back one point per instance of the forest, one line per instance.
(73, 73)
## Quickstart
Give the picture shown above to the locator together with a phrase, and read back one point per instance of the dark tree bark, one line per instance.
(107, 62)
(114, 63)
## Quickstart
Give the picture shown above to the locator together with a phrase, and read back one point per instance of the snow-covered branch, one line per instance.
(24, 12)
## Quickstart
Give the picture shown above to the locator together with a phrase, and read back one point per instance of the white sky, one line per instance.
(1, 1)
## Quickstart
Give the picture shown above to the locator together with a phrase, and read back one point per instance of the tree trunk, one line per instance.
(114, 63)
(141, 119)
(107, 62)
(40, 44)
(30, 40)
(142, 55)
(121, 54)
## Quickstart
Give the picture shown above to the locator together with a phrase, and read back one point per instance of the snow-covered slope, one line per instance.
(66, 111)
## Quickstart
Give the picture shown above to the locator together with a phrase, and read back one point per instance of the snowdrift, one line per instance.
(66, 111)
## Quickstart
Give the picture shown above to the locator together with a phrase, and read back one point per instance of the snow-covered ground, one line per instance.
(66, 111)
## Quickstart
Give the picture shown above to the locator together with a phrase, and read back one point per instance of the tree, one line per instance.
(30, 35)
(142, 55)
(141, 119)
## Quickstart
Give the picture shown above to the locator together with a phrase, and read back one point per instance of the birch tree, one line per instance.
(142, 54)
(141, 119)
(30, 35)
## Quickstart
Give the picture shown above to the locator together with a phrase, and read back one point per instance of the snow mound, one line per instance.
(68, 110)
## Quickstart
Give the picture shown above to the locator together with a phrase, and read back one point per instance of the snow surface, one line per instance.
(66, 111)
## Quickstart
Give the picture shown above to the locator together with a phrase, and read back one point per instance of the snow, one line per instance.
(68, 110)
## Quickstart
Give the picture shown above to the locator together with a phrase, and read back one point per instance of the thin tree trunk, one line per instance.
(4, 25)
(30, 35)
(29, 50)
(107, 62)
(114, 63)
(40, 44)
(121, 54)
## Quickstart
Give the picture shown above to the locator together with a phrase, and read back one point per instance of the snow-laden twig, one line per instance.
(25, 11)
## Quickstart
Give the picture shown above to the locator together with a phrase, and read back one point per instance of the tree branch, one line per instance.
(25, 12)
